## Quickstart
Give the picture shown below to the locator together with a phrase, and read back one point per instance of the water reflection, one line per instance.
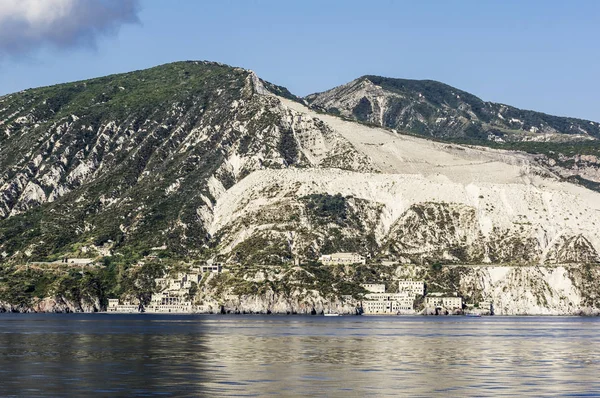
(296, 356)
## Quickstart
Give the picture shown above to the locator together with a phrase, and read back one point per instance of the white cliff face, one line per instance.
(516, 290)
(394, 153)
(526, 290)
(303, 303)
(461, 203)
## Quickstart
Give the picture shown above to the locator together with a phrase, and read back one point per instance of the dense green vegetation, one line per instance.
(118, 97)
(329, 281)
(24, 285)
(363, 109)
(551, 149)
(137, 126)
(433, 99)
(327, 208)
(288, 147)
(436, 93)
(280, 91)
(263, 249)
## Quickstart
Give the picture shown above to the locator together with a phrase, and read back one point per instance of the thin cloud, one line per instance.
(26, 25)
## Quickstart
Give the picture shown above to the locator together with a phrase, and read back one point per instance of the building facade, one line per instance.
(342, 258)
(173, 294)
(380, 302)
(114, 305)
(452, 302)
(414, 288)
(373, 307)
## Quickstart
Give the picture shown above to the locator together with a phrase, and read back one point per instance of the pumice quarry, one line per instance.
(197, 187)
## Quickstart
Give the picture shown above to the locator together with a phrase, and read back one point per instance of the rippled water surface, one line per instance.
(153, 355)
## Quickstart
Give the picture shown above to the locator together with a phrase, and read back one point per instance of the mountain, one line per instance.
(195, 160)
(430, 108)
(138, 160)
(207, 159)
(568, 146)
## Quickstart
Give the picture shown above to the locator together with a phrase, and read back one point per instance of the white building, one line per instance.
(80, 261)
(384, 307)
(169, 301)
(189, 279)
(380, 302)
(437, 300)
(403, 299)
(74, 261)
(125, 307)
(414, 288)
(173, 295)
(342, 258)
(374, 287)
(390, 296)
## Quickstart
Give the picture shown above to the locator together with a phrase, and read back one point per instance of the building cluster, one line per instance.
(174, 292)
(173, 295)
(122, 306)
(379, 302)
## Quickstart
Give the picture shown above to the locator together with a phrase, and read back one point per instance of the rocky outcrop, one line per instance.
(523, 290)
(54, 305)
(228, 165)
(273, 303)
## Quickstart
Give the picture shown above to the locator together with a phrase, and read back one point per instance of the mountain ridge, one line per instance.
(194, 161)
(454, 88)
(384, 101)
(161, 146)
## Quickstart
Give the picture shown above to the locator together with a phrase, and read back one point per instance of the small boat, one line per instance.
(331, 314)
(474, 315)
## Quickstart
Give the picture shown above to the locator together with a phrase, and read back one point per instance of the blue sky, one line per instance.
(541, 55)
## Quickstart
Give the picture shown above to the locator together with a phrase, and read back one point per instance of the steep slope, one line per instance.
(137, 160)
(428, 201)
(206, 159)
(568, 146)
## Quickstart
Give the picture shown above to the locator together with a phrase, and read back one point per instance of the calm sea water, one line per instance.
(154, 355)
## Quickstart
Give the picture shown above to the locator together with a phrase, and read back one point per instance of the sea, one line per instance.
(151, 355)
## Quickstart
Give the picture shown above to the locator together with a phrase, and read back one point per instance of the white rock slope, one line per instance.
(431, 197)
